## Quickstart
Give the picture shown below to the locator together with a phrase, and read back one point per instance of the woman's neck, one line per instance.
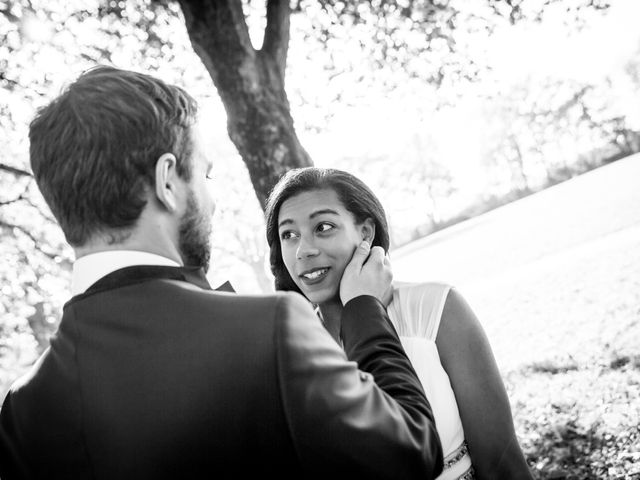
(331, 313)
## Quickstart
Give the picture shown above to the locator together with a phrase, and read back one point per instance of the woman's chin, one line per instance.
(320, 297)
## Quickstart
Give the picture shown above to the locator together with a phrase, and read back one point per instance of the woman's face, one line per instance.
(318, 236)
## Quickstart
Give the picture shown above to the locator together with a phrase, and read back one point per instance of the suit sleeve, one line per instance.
(12, 465)
(342, 421)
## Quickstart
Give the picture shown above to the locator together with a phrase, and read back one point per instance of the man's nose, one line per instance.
(306, 248)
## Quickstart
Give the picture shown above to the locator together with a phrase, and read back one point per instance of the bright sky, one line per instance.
(548, 48)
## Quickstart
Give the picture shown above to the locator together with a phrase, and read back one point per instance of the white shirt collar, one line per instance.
(89, 269)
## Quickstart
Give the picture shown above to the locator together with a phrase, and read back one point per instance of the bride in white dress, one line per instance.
(315, 219)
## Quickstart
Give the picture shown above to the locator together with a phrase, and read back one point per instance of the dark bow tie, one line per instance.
(226, 287)
(197, 276)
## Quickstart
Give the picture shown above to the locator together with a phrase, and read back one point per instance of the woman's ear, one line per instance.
(368, 230)
(166, 175)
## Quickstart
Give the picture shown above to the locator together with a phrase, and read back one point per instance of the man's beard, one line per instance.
(195, 233)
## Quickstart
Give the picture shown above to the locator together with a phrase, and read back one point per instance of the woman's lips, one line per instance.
(314, 275)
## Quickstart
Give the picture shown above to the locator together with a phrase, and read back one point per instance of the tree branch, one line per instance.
(45, 215)
(276, 35)
(561, 110)
(222, 23)
(19, 198)
(18, 172)
(13, 200)
(36, 241)
(9, 15)
(23, 197)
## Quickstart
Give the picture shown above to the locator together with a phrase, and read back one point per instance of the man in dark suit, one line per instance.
(152, 374)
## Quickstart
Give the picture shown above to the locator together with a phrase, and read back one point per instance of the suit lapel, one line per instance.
(144, 273)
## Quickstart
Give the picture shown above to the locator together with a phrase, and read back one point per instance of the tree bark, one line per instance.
(250, 83)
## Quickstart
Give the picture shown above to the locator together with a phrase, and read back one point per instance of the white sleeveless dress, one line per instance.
(415, 311)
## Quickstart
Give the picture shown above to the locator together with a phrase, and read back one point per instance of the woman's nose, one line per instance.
(306, 249)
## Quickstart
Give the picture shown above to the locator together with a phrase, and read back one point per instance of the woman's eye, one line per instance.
(209, 176)
(287, 235)
(324, 227)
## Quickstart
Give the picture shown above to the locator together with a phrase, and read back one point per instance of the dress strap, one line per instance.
(440, 299)
(417, 308)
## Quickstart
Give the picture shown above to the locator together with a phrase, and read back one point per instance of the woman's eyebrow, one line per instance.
(288, 221)
(323, 211)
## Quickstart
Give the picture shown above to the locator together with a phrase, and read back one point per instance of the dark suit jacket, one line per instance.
(153, 375)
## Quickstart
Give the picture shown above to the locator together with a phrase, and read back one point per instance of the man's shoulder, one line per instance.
(176, 292)
(282, 303)
(277, 299)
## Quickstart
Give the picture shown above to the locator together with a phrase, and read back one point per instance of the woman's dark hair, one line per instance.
(94, 148)
(356, 197)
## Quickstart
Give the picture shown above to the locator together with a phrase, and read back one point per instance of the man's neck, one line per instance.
(331, 313)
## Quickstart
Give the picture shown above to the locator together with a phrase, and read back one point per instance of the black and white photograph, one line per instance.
(320, 239)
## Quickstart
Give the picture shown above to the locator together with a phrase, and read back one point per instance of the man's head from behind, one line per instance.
(108, 146)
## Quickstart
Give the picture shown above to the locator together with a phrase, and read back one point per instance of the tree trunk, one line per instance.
(251, 85)
(519, 161)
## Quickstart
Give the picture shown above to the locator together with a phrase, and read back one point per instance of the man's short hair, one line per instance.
(94, 149)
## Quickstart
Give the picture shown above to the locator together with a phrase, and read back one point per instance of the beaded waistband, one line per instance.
(457, 455)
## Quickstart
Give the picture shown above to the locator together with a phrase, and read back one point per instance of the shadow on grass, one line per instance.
(561, 444)
(620, 361)
(551, 367)
(567, 452)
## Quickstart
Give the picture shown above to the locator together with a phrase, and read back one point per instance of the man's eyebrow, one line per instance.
(288, 221)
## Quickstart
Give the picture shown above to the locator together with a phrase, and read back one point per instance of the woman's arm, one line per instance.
(482, 399)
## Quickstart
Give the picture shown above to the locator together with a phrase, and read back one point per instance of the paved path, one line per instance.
(553, 275)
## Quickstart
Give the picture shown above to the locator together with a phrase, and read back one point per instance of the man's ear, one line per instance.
(166, 176)
(368, 230)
